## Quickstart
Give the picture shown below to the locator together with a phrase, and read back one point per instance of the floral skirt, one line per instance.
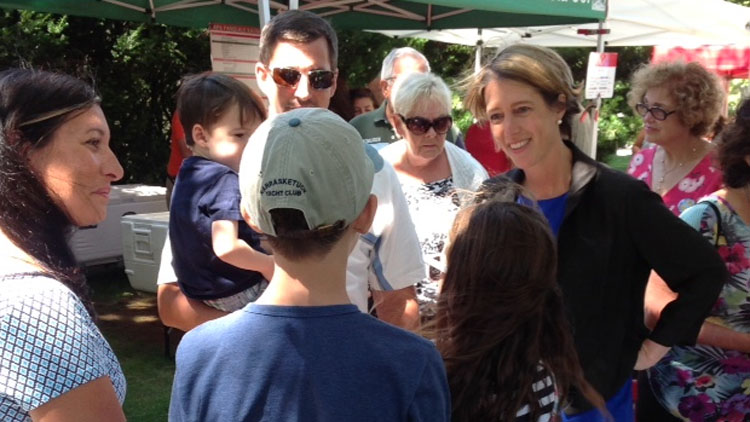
(703, 384)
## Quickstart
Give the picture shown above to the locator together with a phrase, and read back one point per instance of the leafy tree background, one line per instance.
(137, 68)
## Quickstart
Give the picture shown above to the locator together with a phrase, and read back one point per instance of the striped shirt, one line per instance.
(544, 388)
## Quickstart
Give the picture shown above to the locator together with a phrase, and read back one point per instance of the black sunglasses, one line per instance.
(658, 112)
(420, 125)
(289, 77)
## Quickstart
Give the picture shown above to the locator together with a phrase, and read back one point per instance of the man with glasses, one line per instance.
(298, 68)
(376, 127)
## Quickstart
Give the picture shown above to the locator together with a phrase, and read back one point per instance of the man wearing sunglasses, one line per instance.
(376, 127)
(298, 68)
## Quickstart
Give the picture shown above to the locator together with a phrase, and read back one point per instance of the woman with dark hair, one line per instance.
(363, 101)
(611, 229)
(501, 325)
(711, 380)
(56, 168)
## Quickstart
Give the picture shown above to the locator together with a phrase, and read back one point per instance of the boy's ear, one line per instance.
(362, 223)
(200, 135)
(246, 217)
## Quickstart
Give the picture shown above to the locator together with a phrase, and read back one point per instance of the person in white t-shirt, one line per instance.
(298, 68)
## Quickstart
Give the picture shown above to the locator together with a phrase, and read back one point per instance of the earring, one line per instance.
(559, 122)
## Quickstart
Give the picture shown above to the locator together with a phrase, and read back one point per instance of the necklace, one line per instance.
(665, 172)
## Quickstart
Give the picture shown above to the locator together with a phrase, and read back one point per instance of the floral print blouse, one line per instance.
(702, 180)
(432, 206)
(705, 383)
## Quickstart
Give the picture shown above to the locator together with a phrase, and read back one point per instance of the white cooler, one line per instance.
(102, 243)
(143, 236)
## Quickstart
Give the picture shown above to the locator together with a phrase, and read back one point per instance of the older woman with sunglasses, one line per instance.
(433, 173)
(679, 103)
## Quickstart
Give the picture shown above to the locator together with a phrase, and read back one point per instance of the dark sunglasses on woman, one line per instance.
(420, 125)
(289, 77)
(658, 112)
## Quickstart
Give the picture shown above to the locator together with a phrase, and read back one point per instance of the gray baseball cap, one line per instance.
(308, 159)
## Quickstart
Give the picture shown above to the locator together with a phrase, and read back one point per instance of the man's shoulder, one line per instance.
(364, 120)
(373, 127)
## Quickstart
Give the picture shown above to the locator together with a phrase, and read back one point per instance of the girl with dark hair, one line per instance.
(501, 325)
(56, 168)
(709, 381)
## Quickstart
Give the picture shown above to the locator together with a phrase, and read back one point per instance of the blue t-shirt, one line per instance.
(206, 191)
(554, 210)
(317, 363)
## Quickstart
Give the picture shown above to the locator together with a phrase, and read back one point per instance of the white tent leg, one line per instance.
(478, 52)
(595, 126)
(264, 12)
(293, 4)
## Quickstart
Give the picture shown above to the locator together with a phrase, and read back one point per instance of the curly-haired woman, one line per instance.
(680, 105)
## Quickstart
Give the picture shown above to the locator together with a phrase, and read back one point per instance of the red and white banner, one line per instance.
(600, 76)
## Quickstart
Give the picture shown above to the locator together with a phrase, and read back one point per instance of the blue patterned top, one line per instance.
(705, 383)
(48, 345)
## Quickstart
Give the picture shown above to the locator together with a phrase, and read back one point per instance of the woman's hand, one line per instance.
(650, 353)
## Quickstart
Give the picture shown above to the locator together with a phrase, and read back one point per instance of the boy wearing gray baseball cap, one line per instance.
(302, 351)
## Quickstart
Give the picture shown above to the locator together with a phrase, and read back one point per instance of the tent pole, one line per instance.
(478, 52)
(264, 12)
(595, 125)
(293, 4)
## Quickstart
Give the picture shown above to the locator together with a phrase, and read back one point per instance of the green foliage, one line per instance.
(618, 125)
(739, 89)
(135, 68)
(361, 55)
(462, 118)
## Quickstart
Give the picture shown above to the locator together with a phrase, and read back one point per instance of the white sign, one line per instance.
(234, 51)
(600, 77)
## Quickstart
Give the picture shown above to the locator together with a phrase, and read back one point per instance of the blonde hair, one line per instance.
(539, 67)
(418, 89)
(697, 93)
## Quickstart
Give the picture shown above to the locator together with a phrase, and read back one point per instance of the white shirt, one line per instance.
(388, 257)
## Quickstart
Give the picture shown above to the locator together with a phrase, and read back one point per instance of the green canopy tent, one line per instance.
(351, 14)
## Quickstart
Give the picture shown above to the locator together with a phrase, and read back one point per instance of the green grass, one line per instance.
(618, 162)
(128, 319)
(149, 375)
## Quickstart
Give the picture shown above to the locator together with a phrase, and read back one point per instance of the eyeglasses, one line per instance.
(658, 112)
(420, 125)
(288, 77)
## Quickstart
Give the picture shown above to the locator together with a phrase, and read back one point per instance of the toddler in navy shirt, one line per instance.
(217, 257)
